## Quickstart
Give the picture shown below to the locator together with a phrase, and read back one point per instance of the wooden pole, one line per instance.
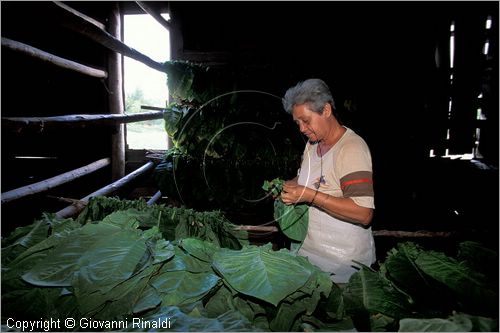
(154, 198)
(80, 25)
(257, 228)
(115, 98)
(39, 124)
(58, 61)
(376, 233)
(146, 8)
(411, 234)
(47, 184)
(83, 16)
(109, 189)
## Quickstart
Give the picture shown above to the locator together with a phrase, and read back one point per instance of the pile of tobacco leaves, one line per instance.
(120, 260)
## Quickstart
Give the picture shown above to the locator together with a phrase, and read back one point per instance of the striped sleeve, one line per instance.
(357, 184)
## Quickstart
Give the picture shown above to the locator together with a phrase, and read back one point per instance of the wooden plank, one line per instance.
(106, 190)
(40, 124)
(85, 28)
(115, 98)
(53, 59)
(149, 10)
(50, 183)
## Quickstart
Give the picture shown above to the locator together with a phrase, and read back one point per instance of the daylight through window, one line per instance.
(145, 86)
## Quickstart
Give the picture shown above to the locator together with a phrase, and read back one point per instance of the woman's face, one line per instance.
(311, 124)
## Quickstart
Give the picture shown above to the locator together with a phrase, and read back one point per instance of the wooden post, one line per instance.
(47, 184)
(58, 61)
(116, 103)
(106, 190)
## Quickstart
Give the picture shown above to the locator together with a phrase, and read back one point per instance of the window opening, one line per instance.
(145, 86)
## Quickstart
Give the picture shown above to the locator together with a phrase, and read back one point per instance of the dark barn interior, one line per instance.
(435, 166)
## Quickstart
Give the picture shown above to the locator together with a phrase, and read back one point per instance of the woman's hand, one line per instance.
(293, 192)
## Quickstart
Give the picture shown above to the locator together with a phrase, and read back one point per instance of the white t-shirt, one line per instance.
(344, 171)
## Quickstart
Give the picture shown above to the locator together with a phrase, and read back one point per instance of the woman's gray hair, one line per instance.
(313, 92)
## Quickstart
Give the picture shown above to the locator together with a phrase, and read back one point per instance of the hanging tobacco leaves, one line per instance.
(227, 141)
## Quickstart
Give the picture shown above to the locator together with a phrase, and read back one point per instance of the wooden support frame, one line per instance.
(39, 124)
(47, 184)
(53, 59)
(107, 190)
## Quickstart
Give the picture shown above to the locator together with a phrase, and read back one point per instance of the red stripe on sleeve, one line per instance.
(355, 181)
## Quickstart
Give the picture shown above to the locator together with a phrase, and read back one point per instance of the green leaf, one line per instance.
(370, 291)
(110, 262)
(172, 116)
(199, 249)
(258, 272)
(130, 218)
(101, 255)
(174, 319)
(456, 323)
(162, 251)
(182, 287)
(121, 299)
(470, 286)
(293, 219)
(185, 262)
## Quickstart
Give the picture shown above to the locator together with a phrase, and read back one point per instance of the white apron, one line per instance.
(332, 244)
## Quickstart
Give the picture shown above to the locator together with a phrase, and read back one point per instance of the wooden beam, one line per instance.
(115, 98)
(83, 16)
(47, 184)
(84, 27)
(106, 190)
(146, 8)
(55, 60)
(39, 124)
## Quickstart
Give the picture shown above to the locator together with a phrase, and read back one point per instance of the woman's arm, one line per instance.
(343, 208)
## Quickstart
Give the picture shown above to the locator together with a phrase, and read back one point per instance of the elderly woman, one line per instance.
(335, 178)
